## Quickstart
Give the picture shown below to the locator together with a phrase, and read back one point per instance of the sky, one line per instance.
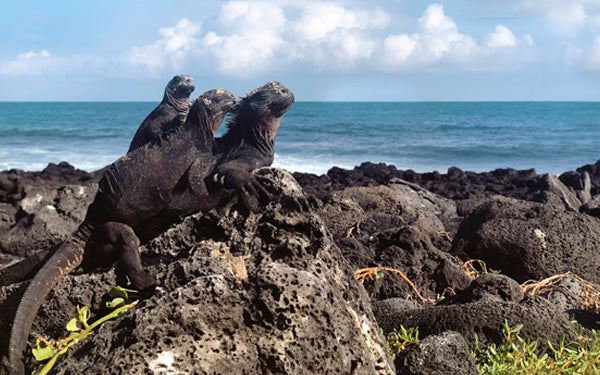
(378, 50)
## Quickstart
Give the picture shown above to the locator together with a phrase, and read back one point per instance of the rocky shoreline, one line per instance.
(275, 292)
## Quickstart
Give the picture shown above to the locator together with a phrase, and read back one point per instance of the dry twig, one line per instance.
(589, 298)
(362, 273)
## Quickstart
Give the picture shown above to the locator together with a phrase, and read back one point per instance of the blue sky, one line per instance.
(405, 50)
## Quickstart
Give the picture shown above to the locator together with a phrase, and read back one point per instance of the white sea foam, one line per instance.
(309, 165)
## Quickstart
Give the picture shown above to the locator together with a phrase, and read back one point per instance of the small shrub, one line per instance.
(398, 341)
(518, 356)
(79, 329)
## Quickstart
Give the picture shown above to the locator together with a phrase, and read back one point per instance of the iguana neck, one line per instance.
(262, 134)
(200, 129)
(250, 132)
(182, 104)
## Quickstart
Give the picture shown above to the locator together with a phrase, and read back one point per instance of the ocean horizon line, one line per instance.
(319, 101)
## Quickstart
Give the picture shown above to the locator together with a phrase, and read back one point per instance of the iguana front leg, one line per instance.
(253, 188)
(238, 176)
(191, 193)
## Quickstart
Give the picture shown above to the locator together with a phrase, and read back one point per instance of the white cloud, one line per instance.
(440, 36)
(438, 40)
(501, 37)
(252, 37)
(171, 50)
(439, 43)
(30, 63)
(251, 17)
(330, 36)
(44, 63)
(437, 36)
(567, 14)
(397, 48)
(528, 40)
(435, 20)
(319, 19)
(348, 47)
(250, 40)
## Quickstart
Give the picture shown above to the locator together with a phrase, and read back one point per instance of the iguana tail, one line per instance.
(64, 260)
(22, 270)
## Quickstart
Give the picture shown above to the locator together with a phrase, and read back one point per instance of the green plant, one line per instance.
(398, 341)
(518, 356)
(79, 329)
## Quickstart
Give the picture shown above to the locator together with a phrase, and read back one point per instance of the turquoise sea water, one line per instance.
(315, 136)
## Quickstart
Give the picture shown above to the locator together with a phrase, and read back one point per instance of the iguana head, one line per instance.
(217, 103)
(272, 99)
(180, 88)
(257, 116)
(211, 107)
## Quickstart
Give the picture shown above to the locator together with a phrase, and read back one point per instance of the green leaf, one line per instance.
(83, 314)
(116, 302)
(517, 328)
(45, 369)
(124, 293)
(42, 351)
(73, 325)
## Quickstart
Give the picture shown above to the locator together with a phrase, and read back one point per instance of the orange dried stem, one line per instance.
(364, 272)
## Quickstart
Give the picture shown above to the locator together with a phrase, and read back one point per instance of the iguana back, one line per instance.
(169, 114)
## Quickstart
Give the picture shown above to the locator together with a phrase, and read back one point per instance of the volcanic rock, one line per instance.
(45, 217)
(541, 320)
(529, 240)
(446, 353)
(256, 293)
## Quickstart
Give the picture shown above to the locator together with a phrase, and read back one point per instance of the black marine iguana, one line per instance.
(170, 113)
(250, 142)
(165, 118)
(152, 181)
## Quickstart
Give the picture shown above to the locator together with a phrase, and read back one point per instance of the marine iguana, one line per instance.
(152, 181)
(249, 142)
(164, 119)
(170, 113)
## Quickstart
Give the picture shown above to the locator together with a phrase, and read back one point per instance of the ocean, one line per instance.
(315, 136)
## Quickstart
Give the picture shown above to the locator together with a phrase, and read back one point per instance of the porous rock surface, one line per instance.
(239, 293)
(446, 353)
(489, 286)
(439, 212)
(45, 217)
(41, 209)
(541, 320)
(530, 240)
(395, 227)
(481, 309)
